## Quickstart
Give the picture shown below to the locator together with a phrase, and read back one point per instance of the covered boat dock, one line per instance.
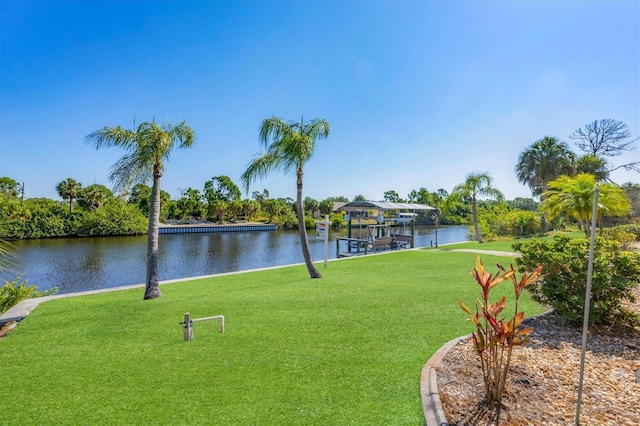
(380, 235)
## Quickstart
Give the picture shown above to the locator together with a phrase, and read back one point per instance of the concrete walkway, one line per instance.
(492, 252)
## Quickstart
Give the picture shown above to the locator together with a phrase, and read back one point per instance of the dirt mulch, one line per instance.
(543, 380)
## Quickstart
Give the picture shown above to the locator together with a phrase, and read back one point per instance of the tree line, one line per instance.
(563, 182)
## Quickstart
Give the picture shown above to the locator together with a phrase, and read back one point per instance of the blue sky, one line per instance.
(418, 93)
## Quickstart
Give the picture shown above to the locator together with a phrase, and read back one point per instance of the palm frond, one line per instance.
(273, 128)
(7, 256)
(129, 170)
(112, 136)
(260, 167)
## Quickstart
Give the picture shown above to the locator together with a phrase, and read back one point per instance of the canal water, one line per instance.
(80, 264)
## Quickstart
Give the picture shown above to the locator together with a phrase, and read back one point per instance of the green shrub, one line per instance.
(309, 222)
(337, 220)
(13, 292)
(620, 235)
(632, 228)
(565, 262)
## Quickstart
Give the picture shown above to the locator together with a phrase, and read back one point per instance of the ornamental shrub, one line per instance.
(13, 292)
(565, 262)
(496, 336)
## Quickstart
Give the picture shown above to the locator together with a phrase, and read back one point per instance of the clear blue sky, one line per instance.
(418, 93)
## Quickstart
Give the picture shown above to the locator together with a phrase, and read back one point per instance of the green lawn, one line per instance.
(505, 245)
(344, 349)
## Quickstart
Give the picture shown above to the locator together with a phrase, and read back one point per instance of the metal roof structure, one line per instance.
(382, 205)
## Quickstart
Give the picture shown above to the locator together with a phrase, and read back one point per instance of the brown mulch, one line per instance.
(543, 379)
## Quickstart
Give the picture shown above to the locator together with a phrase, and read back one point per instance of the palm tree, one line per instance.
(593, 165)
(69, 190)
(292, 146)
(545, 160)
(476, 184)
(573, 197)
(148, 149)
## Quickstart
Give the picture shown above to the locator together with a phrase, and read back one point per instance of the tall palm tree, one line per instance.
(545, 160)
(573, 197)
(148, 149)
(69, 190)
(476, 184)
(292, 146)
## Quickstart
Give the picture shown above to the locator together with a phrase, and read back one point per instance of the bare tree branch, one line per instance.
(604, 138)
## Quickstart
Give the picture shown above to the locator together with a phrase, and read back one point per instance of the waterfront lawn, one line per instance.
(506, 245)
(344, 349)
(488, 245)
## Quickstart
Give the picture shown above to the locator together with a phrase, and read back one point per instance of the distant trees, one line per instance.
(94, 196)
(292, 146)
(221, 188)
(69, 190)
(519, 203)
(97, 212)
(9, 187)
(148, 147)
(476, 184)
(632, 190)
(392, 196)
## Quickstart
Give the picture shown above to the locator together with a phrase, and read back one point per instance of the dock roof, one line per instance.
(383, 205)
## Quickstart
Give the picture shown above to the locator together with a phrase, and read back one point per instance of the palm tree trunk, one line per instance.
(306, 253)
(152, 288)
(474, 213)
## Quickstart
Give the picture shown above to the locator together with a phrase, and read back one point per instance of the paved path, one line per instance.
(492, 252)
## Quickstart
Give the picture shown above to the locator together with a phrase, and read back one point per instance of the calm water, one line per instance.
(79, 264)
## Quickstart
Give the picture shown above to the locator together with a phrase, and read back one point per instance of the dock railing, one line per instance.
(354, 247)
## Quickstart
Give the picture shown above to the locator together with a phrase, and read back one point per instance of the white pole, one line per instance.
(587, 301)
(326, 239)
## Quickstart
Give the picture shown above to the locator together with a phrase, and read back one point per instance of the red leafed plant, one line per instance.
(495, 336)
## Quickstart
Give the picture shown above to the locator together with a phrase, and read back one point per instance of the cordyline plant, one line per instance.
(495, 337)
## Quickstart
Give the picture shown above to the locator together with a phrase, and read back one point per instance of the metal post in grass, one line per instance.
(587, 302)
(188, 326)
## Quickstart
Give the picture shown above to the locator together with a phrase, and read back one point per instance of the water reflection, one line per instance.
(79, 264)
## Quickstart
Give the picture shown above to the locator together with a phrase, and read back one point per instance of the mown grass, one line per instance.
(506, 244)
(344, 349)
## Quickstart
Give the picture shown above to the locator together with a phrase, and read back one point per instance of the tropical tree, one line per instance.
(326, 206)
(148, 148)
(292, 146)
(234, 208)
(572, 196)
(190, 204)
(69, 190)
(221, 188)
(392, 196)
(593, 165)
(476, 184)
(9, 187)
(260, 196)
(545, 160)
(249, 209)
(94, 196)
(311, 205)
